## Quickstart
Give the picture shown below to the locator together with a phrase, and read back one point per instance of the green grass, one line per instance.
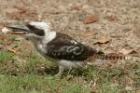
(37, 76)
(31, 81)
(5, 56)
(34, 84)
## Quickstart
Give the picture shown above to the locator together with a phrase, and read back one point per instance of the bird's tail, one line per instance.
(112, 57)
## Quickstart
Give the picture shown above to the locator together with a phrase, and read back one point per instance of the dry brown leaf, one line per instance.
(12, 50)
(109, 51)
(79, 7)
(90, 19)
(111, 17)
(2, 37)
(103, 40)
(127, 51)
(89, 33)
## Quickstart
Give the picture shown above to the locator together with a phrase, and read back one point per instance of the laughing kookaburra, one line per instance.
(67, 52)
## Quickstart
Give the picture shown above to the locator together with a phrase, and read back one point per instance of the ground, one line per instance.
(108, 25)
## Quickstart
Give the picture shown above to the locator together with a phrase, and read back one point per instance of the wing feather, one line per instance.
(65, 47)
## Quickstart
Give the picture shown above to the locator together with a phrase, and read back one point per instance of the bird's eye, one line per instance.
(36, 30)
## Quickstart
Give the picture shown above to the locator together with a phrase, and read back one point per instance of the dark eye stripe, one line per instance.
(35, 30)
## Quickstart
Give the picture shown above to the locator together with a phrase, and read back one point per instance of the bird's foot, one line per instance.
(59, 74)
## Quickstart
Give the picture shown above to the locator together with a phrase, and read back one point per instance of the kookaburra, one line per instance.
(67, 52)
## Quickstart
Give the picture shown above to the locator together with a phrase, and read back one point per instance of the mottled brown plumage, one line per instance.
(65, 47)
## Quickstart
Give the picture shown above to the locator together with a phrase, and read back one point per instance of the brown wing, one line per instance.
(65, 47)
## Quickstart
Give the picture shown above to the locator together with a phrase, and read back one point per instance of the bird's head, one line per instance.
(31, 30)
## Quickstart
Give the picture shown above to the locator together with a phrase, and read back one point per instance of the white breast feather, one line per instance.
(42, 48)
(70, 64)
(49, 37)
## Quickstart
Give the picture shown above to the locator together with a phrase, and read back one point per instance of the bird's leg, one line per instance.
(61, 70)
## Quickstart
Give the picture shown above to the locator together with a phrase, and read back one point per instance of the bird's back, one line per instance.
(65, 47)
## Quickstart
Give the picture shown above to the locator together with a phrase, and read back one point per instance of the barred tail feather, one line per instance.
(111, 57)
(107, 57)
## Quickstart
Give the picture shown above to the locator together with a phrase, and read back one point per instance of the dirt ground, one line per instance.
(118, 19)
(112, 26)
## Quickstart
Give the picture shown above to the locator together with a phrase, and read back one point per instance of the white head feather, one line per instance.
(49, 35)
(41, 25)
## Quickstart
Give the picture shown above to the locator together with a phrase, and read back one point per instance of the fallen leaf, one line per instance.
(78, 7)
(127, 51)
(85, 7)
(109, 51)
(90, 19)
(12, 50)
(89, 33)
(103, 40)
(111, 17)
(2, 37)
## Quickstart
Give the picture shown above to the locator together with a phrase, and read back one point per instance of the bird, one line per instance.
(65, 50)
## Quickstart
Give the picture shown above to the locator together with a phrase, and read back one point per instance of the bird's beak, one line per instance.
(18, 29)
